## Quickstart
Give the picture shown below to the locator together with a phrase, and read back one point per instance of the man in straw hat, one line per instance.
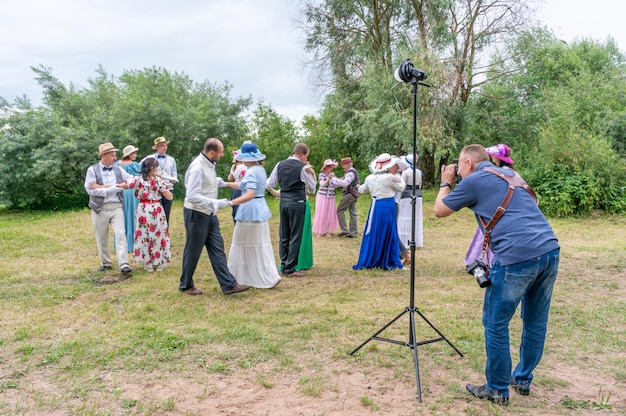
(167, 169)
(350, 183)
(201, 223)
(105, 201)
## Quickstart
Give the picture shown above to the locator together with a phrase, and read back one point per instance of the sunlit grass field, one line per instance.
(64, 324)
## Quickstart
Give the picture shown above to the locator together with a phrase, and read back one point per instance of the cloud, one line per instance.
(250, 44)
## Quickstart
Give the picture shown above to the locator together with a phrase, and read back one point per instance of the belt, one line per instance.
(149, 201)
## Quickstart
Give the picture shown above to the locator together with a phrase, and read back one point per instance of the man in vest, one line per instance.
(201, 223)
(106, 203)
(349, 182)
(296, 180)
(167, 169)
(524, 267)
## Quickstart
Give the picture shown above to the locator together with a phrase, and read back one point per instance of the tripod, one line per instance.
(411, 309)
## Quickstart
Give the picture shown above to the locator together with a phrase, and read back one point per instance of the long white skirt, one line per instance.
(251, 258)
(404, 222)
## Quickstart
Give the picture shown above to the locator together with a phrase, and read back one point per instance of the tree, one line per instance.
(53, 145)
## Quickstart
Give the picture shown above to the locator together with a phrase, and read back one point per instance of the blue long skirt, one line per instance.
(380, 248)
(130, 209)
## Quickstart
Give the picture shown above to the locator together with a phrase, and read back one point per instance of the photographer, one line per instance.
(524, 268)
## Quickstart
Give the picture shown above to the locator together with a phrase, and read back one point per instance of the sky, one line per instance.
(251, 44)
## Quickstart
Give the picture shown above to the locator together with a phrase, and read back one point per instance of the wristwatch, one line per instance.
(444, 184)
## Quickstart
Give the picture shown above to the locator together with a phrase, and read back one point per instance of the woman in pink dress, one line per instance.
(325, 220)
(152, 240)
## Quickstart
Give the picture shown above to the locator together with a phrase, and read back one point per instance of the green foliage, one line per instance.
(563, 118)
(45, 152)
(575, 174)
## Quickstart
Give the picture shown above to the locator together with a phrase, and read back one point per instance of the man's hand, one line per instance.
(448, 174)
(223, 203)
(221, 183)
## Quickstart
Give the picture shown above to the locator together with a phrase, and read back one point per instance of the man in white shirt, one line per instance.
(167, 169)
(106, 203)
(201, 223)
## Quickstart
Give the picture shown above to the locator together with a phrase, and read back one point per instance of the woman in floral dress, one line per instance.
(152, 240)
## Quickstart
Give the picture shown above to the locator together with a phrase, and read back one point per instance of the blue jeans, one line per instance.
(530, 282)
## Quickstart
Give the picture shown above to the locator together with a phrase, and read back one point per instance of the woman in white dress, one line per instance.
(404, 215)
(251, 258)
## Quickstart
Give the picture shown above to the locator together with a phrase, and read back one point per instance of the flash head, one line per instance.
(406, 72)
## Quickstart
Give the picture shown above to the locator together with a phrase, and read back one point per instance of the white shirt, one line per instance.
(108, 178)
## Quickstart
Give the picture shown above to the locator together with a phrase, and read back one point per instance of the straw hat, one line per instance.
(160, 140)
(106, 148)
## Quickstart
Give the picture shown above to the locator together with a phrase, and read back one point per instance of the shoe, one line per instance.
(193, 291)
(343, 234)
(104, 268)
(237, 288)
(523, 389)
(351, 236)
(148, 268)
(126, 270)
(160, 267)
(482, 392)
(294, 274)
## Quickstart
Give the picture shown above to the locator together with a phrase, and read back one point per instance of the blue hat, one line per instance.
(249, 152)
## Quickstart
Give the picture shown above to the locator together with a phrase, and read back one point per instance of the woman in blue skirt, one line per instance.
(133, 168)
(380, 246)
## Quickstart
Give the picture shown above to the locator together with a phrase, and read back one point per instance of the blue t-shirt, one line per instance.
(522, 233)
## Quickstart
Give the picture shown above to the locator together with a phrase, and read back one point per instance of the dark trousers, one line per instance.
(290, 230)
(204, 231)
(167, 208)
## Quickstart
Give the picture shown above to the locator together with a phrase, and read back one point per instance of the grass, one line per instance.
(71, 339)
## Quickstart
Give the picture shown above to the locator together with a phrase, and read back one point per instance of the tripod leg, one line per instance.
(413, 346)
(438, 332)
(380, 330)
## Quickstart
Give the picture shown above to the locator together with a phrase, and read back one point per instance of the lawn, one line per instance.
(77, 342)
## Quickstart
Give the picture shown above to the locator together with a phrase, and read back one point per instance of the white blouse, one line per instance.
(382, 185)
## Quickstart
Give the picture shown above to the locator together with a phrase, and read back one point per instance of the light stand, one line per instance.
(407, 73)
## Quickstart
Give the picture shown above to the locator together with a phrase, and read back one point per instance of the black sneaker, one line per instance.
(104, 268)
(523, 389)
(482, 392)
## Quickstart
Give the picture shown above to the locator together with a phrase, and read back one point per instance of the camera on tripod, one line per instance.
(480, 271)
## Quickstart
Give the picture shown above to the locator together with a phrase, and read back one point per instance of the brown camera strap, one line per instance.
(514, 181)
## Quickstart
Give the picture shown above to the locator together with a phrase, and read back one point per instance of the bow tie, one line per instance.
(111, 168)
(161, 156)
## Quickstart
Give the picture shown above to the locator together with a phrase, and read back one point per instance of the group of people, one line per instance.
(134, 199)
(516, 241)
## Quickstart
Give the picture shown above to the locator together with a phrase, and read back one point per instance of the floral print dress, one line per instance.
(152, 240)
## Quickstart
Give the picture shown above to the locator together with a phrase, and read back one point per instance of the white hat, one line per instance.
(383, 163)
(129, 150)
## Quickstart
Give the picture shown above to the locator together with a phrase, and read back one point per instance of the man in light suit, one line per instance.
(106, 203)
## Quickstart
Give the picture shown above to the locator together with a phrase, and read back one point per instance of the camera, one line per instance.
(456, 170)
(480, 271)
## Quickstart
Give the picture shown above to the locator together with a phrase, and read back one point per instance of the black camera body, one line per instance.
(456, 170)
(480, 271)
